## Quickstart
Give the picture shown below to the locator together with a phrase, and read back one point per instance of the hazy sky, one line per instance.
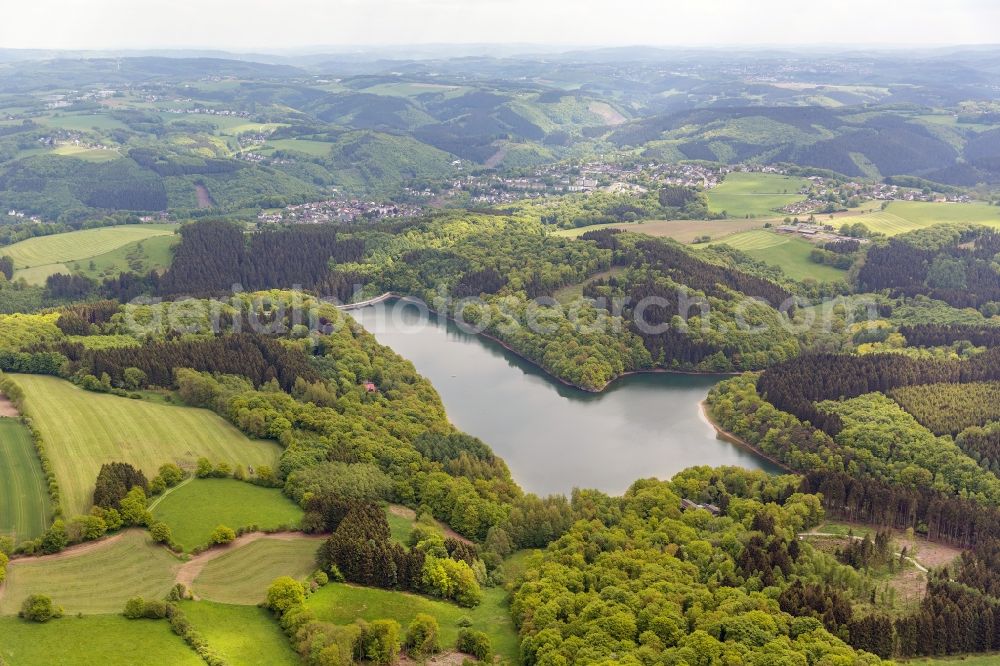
(294, 24)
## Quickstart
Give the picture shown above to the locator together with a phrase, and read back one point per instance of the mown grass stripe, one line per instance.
(84, 430)
(24, 499)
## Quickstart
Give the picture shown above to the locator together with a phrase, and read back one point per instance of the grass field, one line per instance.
(226, 125)
(902, 216)
(38, 274)
(95, 578)
(788, 252)
(342, 604)
(140, 257)
(242, 635)
(400, 526)
(682, 231)
(964, 660)
(757, 194)
(88, 154)
(82, 122)
(96, 640)
(241, 576)
(313, 148)
(412, 89)
(80, 245)
(24, 497)
(195, 509)
(84, 430)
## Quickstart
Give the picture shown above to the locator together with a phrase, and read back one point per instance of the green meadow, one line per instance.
(241, 635)
(154, 253)
(24, 497)
(83, 430)
(95, 578)
(342, 604)
(195, 509)
(754, 194)
(788, 252)
(312, 148)
(902, 216)
(93, 640)
(242, 575)
(44, 251)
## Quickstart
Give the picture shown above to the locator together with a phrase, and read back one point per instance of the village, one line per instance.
(337, 210)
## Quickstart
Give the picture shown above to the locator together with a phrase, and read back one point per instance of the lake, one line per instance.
(552, 436)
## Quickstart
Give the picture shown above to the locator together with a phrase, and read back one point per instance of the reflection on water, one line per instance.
(552, 436)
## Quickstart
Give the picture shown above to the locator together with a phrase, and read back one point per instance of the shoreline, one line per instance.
(565, 382)
(739, 441)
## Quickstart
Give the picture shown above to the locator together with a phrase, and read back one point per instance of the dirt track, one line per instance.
(7, 408)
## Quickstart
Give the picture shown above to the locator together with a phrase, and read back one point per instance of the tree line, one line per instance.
(258, 358)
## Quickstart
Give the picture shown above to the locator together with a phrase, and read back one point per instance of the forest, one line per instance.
(213, 256)
(796, 385)
(951, 263)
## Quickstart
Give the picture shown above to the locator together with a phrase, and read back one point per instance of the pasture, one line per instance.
(84, 153)
(95, 578)
(754, 194)
(311, 148)
(682, 231)
(79, 245)
(241, 634)
(83, 430)
(342, 604)
(902, 216)
(195, 509)
(788, 252)
(224, 125)
(93, 640)
(38, 274)
(142, 256)
(24, 497)
(414, 89)
(82, 122)
(241, 575)
(958, 660)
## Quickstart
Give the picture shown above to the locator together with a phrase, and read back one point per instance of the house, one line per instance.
(370, 387)
(687, 504)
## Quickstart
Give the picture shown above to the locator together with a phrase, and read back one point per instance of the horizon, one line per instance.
(250, 26)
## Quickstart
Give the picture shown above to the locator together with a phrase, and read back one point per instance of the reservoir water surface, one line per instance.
(552, 436)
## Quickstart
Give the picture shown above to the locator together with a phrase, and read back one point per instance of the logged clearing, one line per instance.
(241, 574)
(80, 245)
(195, 509)
(93, 640)
(83, 430)
(94, 578)
(24, 497)
(756, 194)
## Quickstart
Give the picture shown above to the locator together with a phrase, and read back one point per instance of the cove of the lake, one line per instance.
(552, 436)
